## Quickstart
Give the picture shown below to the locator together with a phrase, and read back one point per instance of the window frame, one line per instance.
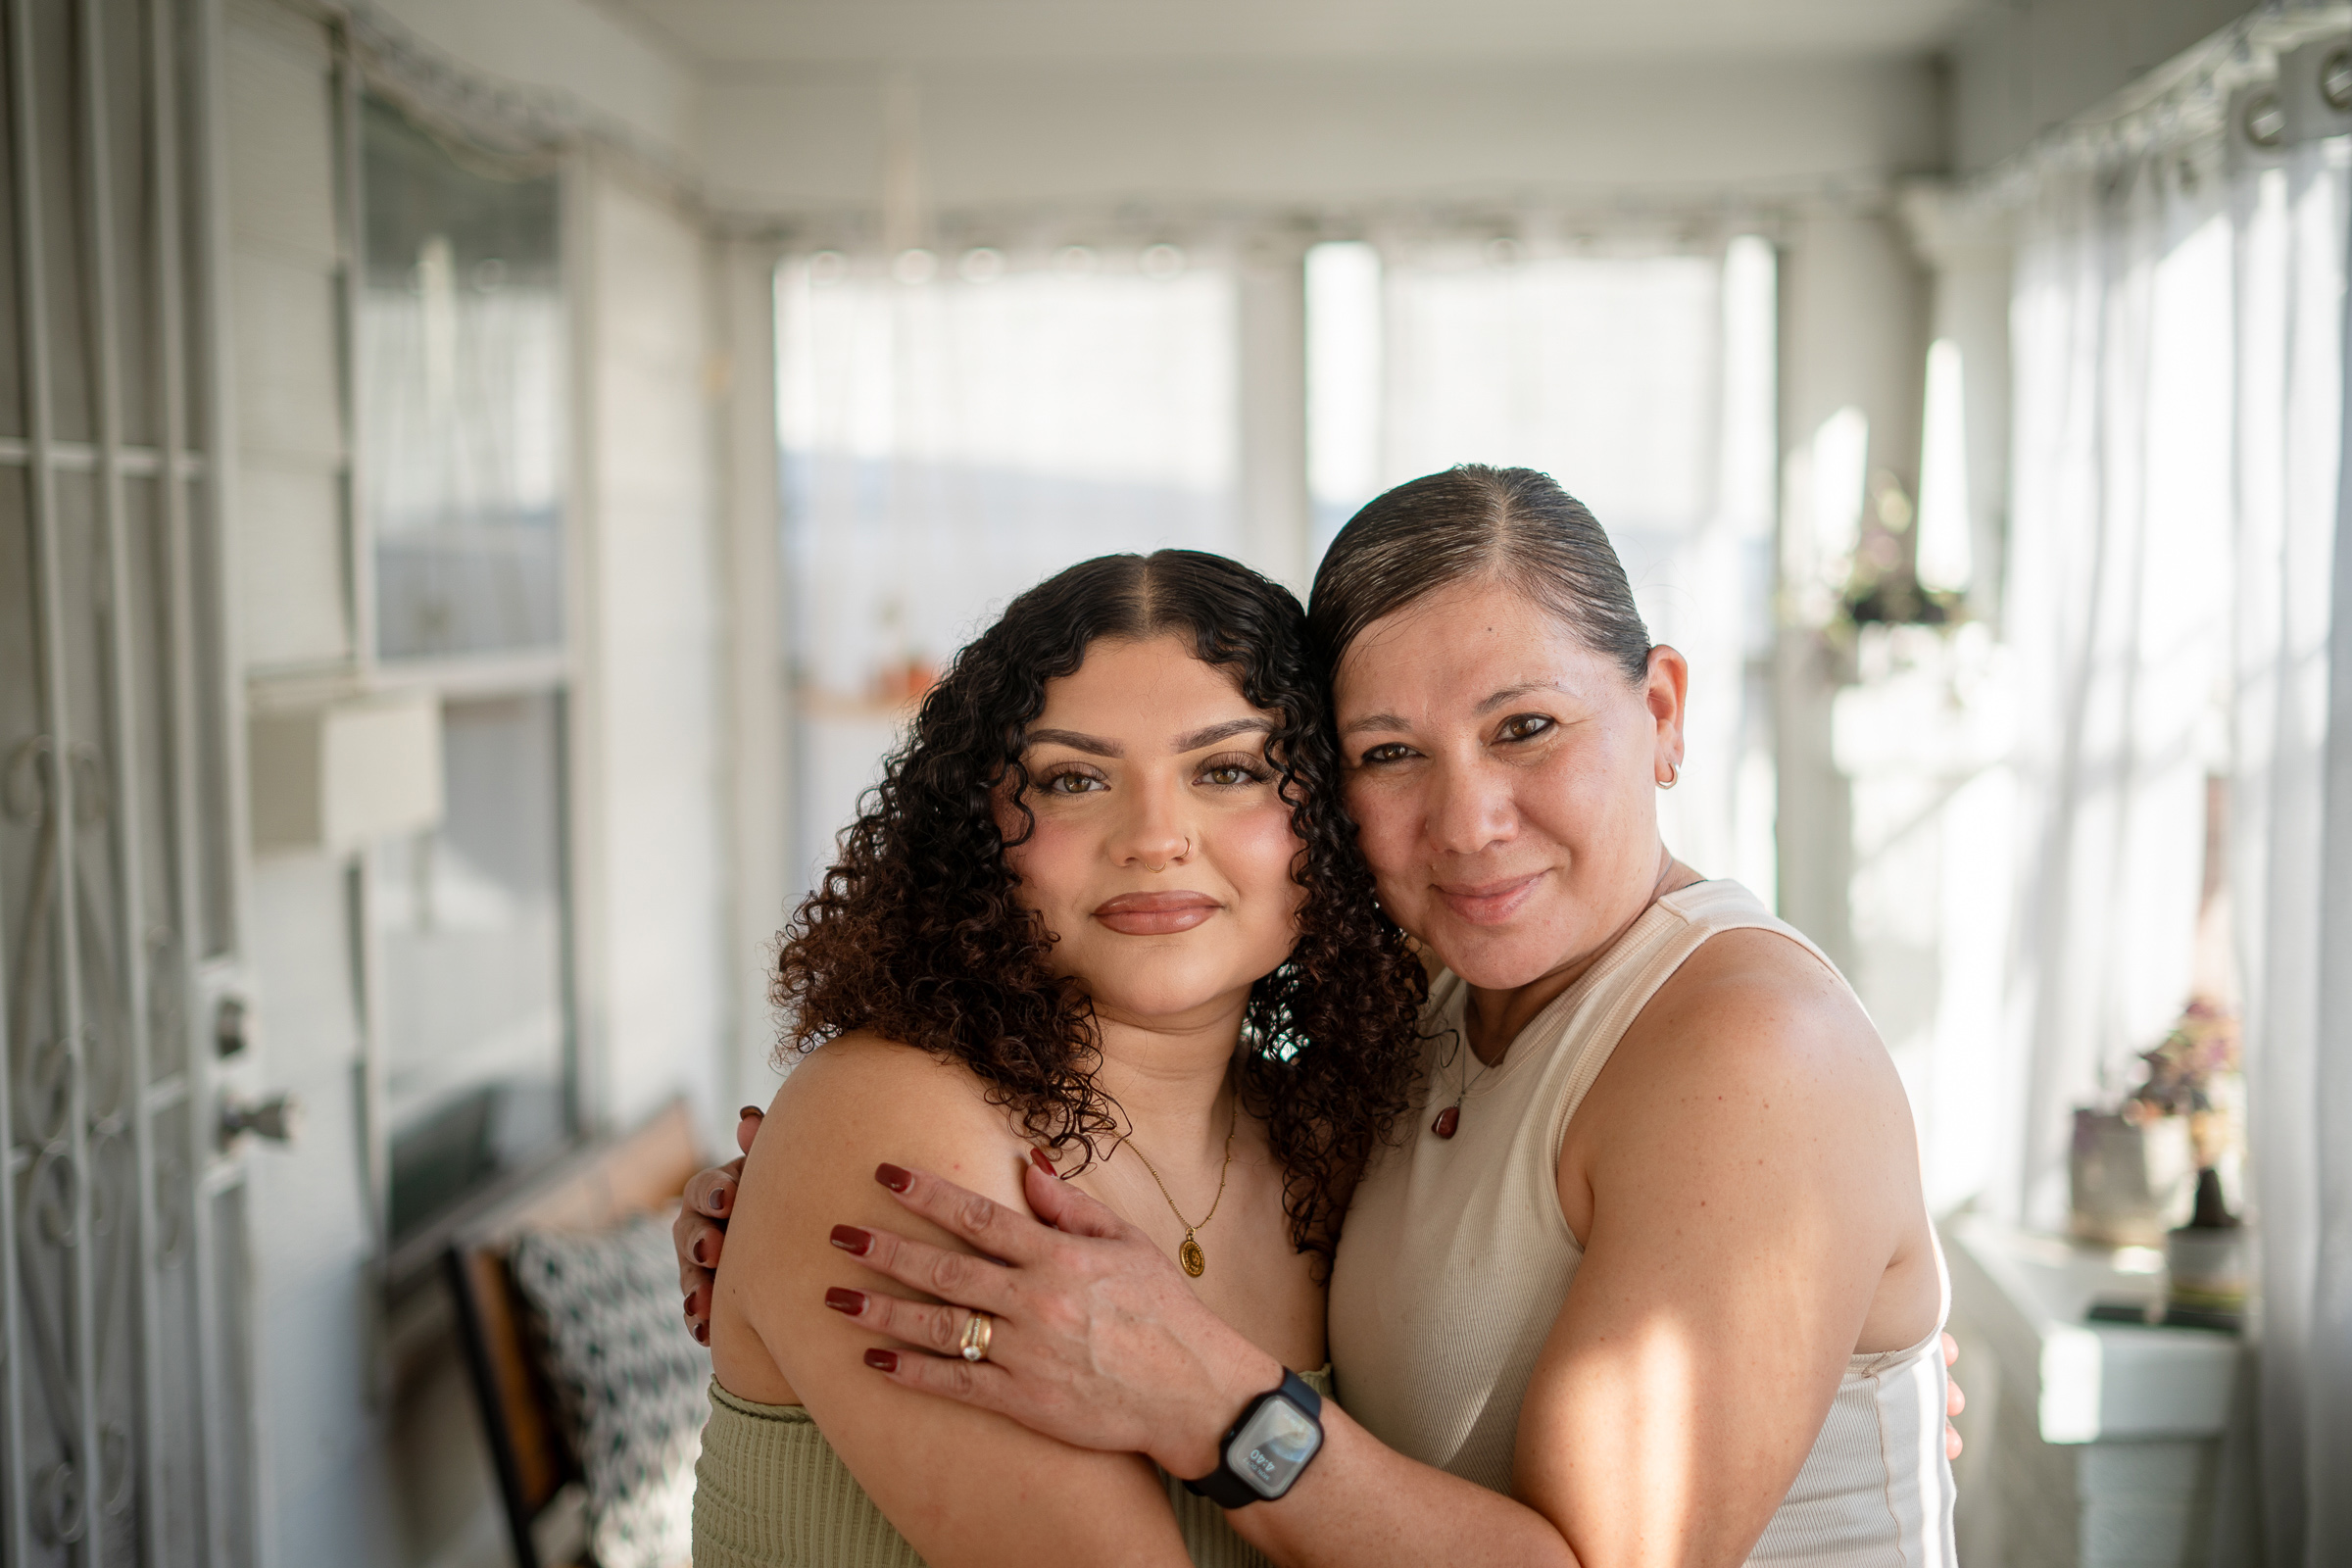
(408, 1259)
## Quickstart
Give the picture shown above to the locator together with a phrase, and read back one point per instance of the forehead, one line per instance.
(1465, 639)
(1127, 684)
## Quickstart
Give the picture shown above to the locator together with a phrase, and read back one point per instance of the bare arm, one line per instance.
(700, 1235)
(964, 1485)
(1751, 1187)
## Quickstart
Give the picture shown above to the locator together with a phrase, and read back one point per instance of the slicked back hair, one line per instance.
(1510, 525)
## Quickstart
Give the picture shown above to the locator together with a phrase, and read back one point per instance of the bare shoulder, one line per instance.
(1756, 1066)
(1753, 1010)
(854, 1103)
(863, 1100)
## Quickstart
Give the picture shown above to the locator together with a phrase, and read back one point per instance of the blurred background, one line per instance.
(483, 481)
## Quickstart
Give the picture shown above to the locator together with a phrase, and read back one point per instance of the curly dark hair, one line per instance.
(914, 933)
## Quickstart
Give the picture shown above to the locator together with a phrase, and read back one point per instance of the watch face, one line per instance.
(1273, 1446)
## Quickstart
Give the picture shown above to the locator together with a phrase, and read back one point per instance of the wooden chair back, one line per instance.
(601, 1185)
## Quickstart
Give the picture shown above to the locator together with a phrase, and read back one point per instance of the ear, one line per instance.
(1666, 690)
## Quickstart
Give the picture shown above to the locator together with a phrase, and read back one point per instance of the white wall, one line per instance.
(327, 1497)
(359, 1469)
(584, 57)
(2024, 65)
(1318, 134)
(648, 765)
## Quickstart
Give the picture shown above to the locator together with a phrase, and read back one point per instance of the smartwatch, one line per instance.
(1264, 1452)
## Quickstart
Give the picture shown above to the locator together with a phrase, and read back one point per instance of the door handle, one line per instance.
(277, 1119)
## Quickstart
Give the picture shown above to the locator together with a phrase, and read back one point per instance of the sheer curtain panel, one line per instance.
(2174, 594)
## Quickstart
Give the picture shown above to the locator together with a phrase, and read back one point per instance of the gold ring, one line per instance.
(978, 1328)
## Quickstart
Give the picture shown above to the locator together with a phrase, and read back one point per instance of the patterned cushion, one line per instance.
(629, 1379)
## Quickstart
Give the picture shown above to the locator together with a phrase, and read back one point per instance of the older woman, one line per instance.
(1651, 1280)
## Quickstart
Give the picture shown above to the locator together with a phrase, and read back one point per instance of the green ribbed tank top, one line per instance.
(770, 1493)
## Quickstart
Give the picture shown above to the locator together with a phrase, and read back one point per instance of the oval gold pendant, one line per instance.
(1190, 1256)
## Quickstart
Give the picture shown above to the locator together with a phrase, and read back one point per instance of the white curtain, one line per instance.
(2178, 349)
(2118, 618)
(1645, 384)
(2292, 801)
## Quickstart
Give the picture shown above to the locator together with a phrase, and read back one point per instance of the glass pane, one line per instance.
(130, 185)
(178, 1490)
(215, 902)
(460, 342)
(98, 924)
(11, 344)
(470, 926)
(233, 1532)
(65, 257)
(950, 442)
(188, 51)
(153, 924)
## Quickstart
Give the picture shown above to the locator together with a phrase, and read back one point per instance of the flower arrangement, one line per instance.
(2185, 1074)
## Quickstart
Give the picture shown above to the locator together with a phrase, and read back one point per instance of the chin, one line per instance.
(1135, 990)
(1496, 958)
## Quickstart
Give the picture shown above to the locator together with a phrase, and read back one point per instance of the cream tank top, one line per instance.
(1455, 1259)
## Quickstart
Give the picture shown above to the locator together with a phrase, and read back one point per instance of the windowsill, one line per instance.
(2028, 1295)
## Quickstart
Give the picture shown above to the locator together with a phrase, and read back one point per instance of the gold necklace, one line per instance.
(1190, 1256)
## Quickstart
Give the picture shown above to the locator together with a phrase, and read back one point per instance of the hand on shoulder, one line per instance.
(964, 1485)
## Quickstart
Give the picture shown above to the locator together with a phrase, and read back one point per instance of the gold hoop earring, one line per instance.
(1674, 777)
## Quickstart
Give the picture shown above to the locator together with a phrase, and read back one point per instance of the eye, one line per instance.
(1525, 727)
(1387, 752)
(1070, 782)
(1233, 772)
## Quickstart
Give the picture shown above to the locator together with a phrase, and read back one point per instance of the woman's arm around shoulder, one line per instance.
(965, 1486)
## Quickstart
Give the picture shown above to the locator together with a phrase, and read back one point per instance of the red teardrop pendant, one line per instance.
(1447, 1120)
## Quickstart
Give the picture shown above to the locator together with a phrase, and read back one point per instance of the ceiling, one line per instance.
(724, 34)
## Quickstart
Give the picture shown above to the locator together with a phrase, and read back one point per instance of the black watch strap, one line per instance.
(1224, 1487)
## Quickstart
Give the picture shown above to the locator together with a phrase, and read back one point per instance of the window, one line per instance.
(1641, 379)
(460, 327)
(950, 440)
(462, 367)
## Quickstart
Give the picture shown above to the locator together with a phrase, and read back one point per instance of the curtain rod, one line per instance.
(2180, 105)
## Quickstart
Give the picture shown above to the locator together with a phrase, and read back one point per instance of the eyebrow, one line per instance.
(1097, 745)
(1509, 694)
(1092, 745)
(1221, 732)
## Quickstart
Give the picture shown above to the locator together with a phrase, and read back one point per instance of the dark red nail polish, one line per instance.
(849, 1238)
(696, 1251)
(1037, 1158)
(702, 1334)
(892, 1177)
(746, 1112)
(850, 1302)
(882, 1360)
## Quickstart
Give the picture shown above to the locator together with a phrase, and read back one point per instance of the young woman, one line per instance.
(1102, 913)
(1650, 1279)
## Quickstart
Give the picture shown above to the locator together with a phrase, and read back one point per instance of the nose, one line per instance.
(1469, 806)
(1157, 833)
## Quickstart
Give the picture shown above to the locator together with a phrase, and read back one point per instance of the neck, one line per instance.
(1495, 1018)
(1169, 1076)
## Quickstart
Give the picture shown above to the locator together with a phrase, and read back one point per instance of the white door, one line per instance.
(125, 1407)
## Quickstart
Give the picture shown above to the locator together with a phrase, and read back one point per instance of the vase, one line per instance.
(2131, 1182)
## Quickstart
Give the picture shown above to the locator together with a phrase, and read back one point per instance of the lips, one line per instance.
(1489, 902)
(1155, 915)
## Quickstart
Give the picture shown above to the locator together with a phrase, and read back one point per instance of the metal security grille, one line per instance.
(122, 1403)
